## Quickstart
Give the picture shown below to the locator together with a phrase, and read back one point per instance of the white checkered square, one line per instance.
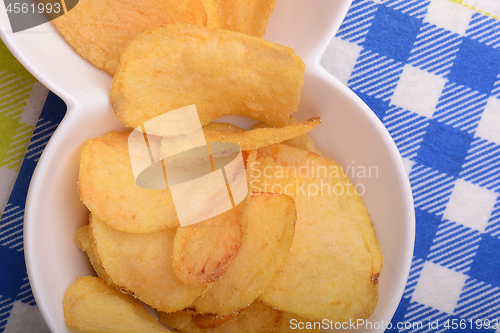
(489, 125)
(415, 83)
(25, 318)
(449, 15)
(439, 287)
(470, 205)
(340, 58)
(408, 164)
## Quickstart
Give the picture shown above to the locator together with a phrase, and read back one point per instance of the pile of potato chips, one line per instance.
(300, 248)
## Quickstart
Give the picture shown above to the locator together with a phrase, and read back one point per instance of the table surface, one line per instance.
(430, 70)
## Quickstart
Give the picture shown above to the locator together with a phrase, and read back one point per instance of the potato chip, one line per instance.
(303, 141)
(257, 318)
(85, 243)
(268, 224)
(220, 71)
(290, 322)
(335, 260)
(261, 137)
(222, 127)
(141, 265)
(107, 187)
(249, 17)
(211, 9)
(90, 305)
(203, 251)
(204, 321)
(101, 30)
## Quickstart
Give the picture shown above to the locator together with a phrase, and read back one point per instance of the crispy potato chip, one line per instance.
(222, 127)
(249, 140)
(210, 321)
(268, 224)
(220, 71)
(257, 318)
(85, 243)
(303, 141)
(107, 187)
(101, 30)
(249, 17)
(260, 137)
(203, 251)
(141, 265)
(212, 13)
(90, 305)
(290, 322)
(334, 250)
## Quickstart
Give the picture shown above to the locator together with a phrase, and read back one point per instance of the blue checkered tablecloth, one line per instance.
(430, 70)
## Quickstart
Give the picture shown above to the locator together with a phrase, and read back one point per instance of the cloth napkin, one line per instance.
(430, 70)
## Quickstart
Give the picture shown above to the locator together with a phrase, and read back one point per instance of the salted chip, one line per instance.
(249, 17)
(220, 71)
(257, 318)
(90, 305)
(252, 139)
(290, 323)
(101, 30)
(203, 251)
(85, 243)
(268, 224)
(222, 127)
(334, 262)
(141, 265)
(107, 187)
(260, 137)
(303, 141)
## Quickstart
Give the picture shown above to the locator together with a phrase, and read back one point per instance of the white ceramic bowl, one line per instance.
(350, 134)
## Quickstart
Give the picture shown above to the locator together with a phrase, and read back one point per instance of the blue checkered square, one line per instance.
(13, 272)
(444, 148)
(488, 252)
(476, 66)
(392, 40)
(426, 231)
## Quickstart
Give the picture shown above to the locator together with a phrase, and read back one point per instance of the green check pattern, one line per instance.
(21, 99)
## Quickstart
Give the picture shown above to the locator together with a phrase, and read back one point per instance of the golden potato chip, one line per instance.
(220, 71)
(212, 13)
(101, 30)
(141, 265)
(249, 17)
(335, 260)
(257, 318)
(204, 321)
(90, 305)
(86, 244)
(260, 137)
(303, 141)
(222, 127)
(290, 322)
(203, 251)
(268, 224)
(107, 187)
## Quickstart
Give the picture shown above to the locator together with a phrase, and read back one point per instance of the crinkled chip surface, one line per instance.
(268, 223)
(141, 265)
(90, 305)
(220, 71)
(335, 260)
(107, 187)
(101, 30)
